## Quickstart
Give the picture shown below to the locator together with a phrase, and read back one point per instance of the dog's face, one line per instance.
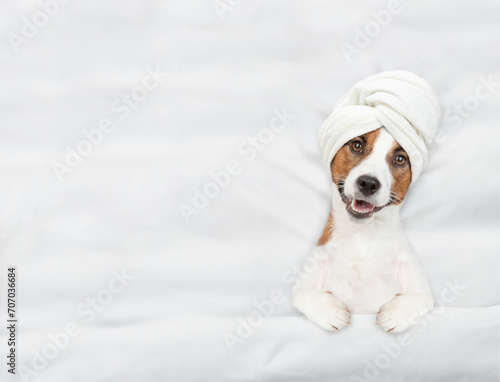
(371, 172)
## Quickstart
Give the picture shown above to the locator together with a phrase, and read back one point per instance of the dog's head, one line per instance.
(371, 172)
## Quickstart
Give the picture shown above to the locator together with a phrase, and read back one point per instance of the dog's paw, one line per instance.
(328, 312)
(404, 310)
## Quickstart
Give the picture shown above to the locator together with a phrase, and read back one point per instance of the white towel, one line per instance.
(400, 101)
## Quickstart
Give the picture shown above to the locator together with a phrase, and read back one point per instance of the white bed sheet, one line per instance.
(119, 209)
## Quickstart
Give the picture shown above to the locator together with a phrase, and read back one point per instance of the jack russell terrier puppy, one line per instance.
(362, 262)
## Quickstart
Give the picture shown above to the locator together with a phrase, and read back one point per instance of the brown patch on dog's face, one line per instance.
(351, 154)
(400, 167)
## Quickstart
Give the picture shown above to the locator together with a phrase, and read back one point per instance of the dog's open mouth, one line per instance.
(360, 209)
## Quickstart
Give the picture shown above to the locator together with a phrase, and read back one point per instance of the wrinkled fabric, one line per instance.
(193, 283)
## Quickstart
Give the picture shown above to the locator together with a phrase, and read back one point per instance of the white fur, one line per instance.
(365, 263)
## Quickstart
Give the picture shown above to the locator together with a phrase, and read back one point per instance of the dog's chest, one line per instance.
(363, 283)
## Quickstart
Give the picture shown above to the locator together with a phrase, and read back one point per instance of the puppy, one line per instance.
(362, 262)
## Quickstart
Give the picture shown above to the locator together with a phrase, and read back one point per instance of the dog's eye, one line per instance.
(357, 146)
(400, 160)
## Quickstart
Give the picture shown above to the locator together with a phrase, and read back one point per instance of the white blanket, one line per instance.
(114, 285)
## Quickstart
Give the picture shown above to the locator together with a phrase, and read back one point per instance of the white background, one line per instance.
(119, 209)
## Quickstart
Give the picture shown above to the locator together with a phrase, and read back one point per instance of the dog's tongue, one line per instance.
(361, 206)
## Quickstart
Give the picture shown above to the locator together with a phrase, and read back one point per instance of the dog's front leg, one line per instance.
(412, 302)
(318, 304)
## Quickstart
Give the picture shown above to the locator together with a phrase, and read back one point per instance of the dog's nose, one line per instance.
(368, 184)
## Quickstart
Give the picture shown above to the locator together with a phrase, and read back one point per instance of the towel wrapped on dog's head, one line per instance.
(399, 101)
